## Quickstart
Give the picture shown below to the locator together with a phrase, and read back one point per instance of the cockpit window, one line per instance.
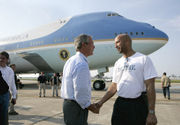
(113, 14)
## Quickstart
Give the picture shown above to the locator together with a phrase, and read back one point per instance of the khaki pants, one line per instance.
(42, 86)
(11, 106)
(55, 89)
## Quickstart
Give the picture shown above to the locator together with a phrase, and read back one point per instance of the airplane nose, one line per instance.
(163, 35)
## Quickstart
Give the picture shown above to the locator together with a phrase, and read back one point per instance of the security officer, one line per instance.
(42, 84)
(55, 82)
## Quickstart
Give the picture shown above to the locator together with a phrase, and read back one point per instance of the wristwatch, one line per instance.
(151, 111)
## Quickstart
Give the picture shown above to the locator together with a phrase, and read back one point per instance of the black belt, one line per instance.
(133, 99)
(69, 100)
(72, 101)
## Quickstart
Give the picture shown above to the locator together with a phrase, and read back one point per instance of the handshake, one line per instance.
(95, 107)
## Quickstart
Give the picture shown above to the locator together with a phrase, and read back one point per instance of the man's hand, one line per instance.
(99, 104)
(13, 101)
(151, 119)
(93, 108)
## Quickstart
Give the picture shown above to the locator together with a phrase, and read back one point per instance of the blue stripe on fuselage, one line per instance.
(98, 25)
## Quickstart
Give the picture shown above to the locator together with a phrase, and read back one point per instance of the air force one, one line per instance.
(48, 47)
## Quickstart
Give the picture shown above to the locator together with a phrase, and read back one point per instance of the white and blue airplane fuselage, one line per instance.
(48, 47)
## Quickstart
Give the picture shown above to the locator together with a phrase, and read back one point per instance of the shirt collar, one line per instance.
(3, 67)
(82, 55)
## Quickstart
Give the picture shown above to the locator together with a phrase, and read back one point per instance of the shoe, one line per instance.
(40, 96)
(168, 98)
(44, 96)
(13, 113)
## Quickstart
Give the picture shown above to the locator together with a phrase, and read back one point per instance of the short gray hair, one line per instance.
(83, 38)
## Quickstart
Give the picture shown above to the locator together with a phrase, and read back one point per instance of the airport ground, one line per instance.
(34, 110)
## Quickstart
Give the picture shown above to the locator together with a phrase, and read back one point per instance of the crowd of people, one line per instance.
(133, 80)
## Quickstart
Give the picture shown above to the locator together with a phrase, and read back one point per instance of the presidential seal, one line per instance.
(64, 54)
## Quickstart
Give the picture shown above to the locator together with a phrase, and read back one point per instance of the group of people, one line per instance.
(55, 82)
(133, 80)
(7, 83)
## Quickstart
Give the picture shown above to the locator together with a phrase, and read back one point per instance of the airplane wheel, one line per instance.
(99, 85)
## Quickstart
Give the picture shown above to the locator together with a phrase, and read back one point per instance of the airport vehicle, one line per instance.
(48, 47)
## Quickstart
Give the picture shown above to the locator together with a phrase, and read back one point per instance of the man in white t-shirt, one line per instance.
(133, 80)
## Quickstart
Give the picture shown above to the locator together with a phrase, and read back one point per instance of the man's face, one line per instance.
(120, 45)
(89, 47)
(3, 60)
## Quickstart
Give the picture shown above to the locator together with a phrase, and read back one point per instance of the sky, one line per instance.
(18, 16)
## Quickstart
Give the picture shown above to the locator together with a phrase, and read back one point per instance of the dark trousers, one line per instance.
(74, 114)
(4, 103)
(130, 111)
(166, 90)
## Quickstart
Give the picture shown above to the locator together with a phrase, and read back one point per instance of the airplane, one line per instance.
(48, 47)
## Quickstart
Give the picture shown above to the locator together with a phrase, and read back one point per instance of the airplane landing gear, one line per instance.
(99, 85)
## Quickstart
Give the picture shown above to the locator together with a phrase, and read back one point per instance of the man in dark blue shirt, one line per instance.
(42, 84)
(55, 82)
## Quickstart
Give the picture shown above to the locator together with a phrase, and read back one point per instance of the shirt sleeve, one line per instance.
(115, 78)
(149, 69)
(162, 79)
(12, 84)
(82, 86)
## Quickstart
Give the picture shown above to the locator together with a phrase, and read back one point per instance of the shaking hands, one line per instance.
(95, 107)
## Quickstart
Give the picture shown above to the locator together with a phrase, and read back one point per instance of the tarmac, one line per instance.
(35, 110)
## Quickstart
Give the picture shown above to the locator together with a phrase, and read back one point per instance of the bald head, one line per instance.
(124, 38)
(123, 43)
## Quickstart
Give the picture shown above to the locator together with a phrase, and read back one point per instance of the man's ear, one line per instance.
(84, 44)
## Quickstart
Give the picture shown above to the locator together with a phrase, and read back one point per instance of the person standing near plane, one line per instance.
(55, 82)
(11, 105)
(42, 84)
(166, 83)
(6, 83)
(133, 76)
(76, 83)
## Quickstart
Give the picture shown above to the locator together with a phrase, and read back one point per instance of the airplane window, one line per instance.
(136, 33)
(113, 14)
(109, 14)
(126, 32)
(115, 34)
(131, 33)
(142, 33)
